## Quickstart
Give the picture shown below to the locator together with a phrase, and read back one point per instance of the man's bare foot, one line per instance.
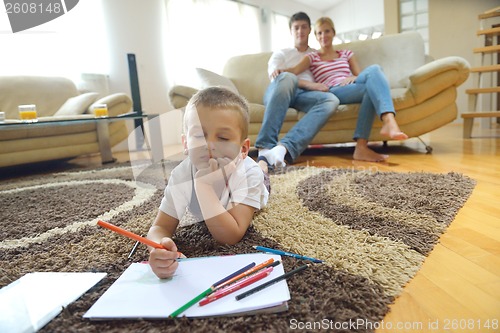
(363, 153)
(390, 127)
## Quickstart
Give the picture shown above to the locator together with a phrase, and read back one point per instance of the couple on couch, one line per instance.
(316, 82)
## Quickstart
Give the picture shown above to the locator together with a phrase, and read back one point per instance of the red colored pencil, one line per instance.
(236, 286)
(247, 273)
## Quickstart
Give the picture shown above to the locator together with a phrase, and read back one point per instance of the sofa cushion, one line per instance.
(47, 93)
(249, 74)
(398, 55)
(77, 105)
(211, 79)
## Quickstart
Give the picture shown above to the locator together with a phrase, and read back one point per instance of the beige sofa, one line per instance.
(56, 98)
(424, 93)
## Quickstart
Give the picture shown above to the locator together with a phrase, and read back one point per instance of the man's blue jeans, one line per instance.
(372, 90)
(283, 93)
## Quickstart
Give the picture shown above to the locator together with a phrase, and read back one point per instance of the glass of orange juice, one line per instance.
(100, 110)
(27, 113)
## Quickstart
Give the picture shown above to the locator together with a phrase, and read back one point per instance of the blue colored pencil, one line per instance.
(283, 253)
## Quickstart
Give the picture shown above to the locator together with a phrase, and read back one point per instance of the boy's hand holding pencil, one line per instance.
(163, 261)
(163, 256)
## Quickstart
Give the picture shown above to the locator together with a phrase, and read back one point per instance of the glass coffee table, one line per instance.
(155, 144)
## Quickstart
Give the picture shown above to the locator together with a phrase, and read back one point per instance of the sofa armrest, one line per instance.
(118, 103)
(436, 76)
(180, 95)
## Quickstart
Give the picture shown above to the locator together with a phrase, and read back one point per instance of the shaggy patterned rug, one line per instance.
(372, 229)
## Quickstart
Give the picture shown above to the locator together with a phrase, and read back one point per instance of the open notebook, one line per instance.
(138, 293)
(29, 303)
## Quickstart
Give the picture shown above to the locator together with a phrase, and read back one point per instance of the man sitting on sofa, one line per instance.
(288, 90)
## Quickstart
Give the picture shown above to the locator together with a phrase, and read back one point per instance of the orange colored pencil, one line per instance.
(131, 235)
(246, 273)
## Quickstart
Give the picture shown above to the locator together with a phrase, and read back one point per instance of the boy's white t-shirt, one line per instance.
(246, 186)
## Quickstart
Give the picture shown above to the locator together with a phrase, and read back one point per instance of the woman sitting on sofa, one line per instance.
(341, 75)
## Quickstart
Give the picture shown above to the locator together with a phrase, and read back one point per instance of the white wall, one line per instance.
(136, 27)
(356, 14)
(452, 31)
(285, 7)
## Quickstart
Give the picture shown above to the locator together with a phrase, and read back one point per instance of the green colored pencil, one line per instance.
(191, 302)
(209, 290)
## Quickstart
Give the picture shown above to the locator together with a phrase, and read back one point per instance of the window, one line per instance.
(66, 46)
(197, 37)
(414, 16)
(281, 37)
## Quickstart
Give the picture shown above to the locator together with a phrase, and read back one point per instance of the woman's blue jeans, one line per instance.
(372, 90)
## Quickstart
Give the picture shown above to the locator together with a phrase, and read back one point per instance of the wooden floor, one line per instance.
(458, 286)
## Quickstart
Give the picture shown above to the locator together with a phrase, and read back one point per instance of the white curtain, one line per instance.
(205, 33)
(71, 44)
(280, 32)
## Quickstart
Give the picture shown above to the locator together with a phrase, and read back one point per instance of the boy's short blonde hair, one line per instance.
(221, 98)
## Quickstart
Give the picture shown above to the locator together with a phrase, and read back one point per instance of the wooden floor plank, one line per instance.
(472, 236)
(483, 217)
(464, 248)
(471, 298)
(438, 304)
(405, 322)
(493, 288)
(460, 265)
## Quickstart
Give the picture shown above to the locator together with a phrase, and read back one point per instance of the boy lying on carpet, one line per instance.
(217, 183)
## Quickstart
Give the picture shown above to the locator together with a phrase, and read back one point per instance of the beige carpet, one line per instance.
(372, 229)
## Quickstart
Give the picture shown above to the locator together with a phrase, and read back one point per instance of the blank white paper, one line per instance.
(139, 293)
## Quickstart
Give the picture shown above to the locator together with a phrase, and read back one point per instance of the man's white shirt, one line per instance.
(289, 57)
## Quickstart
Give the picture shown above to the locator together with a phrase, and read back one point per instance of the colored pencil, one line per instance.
(270, 282)
(232, 275)
(191, 303)
(133, 236)
(209, 291)
(288, 254)
(242, 283)
(252, 270)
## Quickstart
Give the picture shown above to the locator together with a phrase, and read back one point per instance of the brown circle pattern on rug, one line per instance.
(78, 202)
(378, 204)
(324, 213)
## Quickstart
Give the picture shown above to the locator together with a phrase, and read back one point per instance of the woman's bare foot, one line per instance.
(363, 153)
(390, 127)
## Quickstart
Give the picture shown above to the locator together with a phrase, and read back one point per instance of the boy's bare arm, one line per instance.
(227, 227)
(163, 261)
(164, 225)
